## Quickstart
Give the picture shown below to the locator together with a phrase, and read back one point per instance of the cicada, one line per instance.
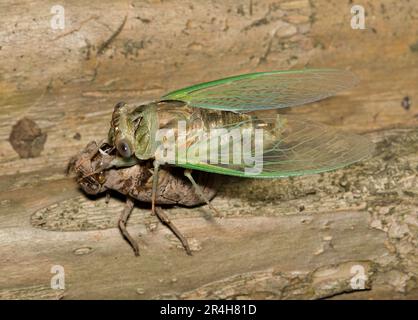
(234, 126)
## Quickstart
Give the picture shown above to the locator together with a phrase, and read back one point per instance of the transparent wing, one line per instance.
(290, 147)
(265, 90)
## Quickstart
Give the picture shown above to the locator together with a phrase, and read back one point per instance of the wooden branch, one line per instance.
(280, 239)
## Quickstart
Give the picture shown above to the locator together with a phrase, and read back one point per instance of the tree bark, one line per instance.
(304, 237)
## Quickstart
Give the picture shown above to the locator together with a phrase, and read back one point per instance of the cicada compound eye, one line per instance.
(124, 148)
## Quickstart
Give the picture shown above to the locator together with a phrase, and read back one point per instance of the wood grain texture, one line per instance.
(281, 239)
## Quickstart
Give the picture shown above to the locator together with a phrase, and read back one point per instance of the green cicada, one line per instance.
(229, 126)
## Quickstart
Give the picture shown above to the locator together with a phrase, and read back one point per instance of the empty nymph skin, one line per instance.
(95, 175)
(136, 181)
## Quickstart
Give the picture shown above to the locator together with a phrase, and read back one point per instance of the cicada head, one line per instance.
(132, 130)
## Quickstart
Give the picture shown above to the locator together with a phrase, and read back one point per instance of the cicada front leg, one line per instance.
(122, 224)
(77, 161)
(154, 186)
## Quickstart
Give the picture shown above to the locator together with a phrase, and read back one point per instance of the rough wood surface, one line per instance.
(288, 238)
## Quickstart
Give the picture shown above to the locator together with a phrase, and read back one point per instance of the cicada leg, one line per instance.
(188, 174)
(107, 199)
(154, 186)
(122, 225)
(164, 219)
(160, 213)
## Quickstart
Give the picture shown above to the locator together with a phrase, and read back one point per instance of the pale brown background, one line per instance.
(290, 238)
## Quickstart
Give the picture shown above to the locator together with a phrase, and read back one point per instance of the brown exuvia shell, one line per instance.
(136, 181)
